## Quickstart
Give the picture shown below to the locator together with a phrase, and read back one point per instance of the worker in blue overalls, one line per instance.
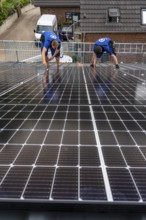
(101, 46)
(49, 40)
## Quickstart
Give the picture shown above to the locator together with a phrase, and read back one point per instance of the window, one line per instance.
(68, 16)
(143, 16)
(72, 16)
(113, 15)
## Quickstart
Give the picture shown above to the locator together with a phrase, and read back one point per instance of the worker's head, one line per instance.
(54, 44)
(98, 50)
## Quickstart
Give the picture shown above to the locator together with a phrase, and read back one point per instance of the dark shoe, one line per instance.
(91, 65)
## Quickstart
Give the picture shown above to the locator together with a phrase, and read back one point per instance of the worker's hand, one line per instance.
(92, 65)
(45, 64)
(51, 58)
(117, 66)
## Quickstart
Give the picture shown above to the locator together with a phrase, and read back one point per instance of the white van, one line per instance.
(46, 22)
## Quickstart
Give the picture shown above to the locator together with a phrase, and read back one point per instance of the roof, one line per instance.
(57, 3)
(94, 16)
(46, 19)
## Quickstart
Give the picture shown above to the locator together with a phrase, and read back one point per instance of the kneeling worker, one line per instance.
(104, 45)
(49, 40)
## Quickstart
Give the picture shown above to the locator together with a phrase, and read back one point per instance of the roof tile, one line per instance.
(97, 15)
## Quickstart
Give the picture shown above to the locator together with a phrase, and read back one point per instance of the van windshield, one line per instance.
(41, 28)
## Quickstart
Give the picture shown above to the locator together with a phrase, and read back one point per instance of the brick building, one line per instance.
(123, 21)
(65, 10)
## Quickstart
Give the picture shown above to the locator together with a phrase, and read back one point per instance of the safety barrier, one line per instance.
(18, 51)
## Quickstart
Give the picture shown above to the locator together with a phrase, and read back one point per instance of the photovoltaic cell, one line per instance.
(122, 191)
(73, 134)
(92, 185)
(41, 178)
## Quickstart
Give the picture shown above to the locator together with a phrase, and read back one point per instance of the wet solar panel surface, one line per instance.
(73, 133)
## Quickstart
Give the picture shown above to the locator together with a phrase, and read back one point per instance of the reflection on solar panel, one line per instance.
(73, 134)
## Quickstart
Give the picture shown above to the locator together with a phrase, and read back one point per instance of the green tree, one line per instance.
(8, 7)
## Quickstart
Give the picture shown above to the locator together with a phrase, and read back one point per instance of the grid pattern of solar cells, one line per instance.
(73, 133)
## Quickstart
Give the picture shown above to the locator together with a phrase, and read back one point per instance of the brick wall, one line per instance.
(118, 37)
(59, 12)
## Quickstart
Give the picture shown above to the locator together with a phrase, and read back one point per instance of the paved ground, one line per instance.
(23, 27)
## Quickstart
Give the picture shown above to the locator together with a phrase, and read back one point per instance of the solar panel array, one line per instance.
(73, 134)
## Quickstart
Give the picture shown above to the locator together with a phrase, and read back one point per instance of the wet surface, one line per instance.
(73, 133)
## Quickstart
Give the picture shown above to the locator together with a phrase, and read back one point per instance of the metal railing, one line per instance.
(18, 51)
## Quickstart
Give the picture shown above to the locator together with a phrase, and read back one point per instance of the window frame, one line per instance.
(113, 19)
(143, 16)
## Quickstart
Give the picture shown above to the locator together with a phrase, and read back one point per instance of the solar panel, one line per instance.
(73, 134)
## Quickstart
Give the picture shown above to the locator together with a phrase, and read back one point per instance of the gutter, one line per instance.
(117, 32)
